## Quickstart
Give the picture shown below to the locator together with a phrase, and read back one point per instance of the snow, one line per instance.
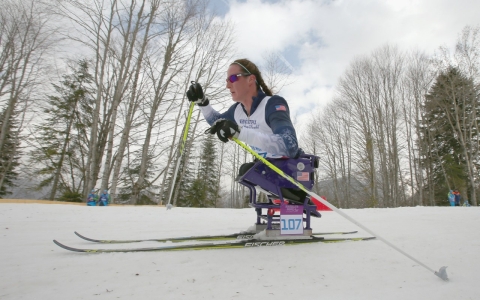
(32, 267)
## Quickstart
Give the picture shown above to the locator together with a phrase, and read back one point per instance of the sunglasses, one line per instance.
(234, 77)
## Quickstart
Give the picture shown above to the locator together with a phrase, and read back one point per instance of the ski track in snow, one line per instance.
(32, 267)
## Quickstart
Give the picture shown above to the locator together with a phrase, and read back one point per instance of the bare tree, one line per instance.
(366, 135)
(354, 87)
(467, 52)
(197, 48)
(172, 60)
(94, 22)
(26, 36)
(276, 72)
(210, 53)
(416, 83)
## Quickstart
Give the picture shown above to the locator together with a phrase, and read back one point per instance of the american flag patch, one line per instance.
(303, 176)
(280, 107)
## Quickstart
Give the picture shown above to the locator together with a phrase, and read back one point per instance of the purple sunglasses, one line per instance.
(234, 77)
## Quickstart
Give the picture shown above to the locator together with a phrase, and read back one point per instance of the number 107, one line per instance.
(293, 224)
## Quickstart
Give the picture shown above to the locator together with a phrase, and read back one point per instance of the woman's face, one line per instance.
(240, 89)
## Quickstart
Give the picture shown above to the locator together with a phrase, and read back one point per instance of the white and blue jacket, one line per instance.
(268, 129)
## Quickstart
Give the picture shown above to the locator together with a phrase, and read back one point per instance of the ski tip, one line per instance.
(59, 244)
(442, 273)
(85, 238)
(67, 247)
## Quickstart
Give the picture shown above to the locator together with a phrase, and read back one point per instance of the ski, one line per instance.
(249, 243)
(235, 236)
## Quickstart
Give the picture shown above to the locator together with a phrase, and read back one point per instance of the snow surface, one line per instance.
(32, 267)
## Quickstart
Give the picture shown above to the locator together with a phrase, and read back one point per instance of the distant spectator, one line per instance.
(92, 198)
(104, 198)
(457, 197)
(451, 198)
(466, 203)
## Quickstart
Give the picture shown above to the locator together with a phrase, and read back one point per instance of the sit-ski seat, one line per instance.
(260, 178)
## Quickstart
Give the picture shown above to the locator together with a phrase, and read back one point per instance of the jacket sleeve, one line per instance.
(277, 115)
(211, 115)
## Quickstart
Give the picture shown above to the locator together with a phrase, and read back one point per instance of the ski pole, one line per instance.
(182, 147)
(442, 273)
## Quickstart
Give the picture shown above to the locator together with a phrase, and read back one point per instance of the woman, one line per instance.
(258, 118)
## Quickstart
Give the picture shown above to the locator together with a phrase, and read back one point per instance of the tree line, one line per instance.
(403, 128)
(113, 119)
(92, 96)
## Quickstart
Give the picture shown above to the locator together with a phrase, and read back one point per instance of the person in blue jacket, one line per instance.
(92, 198)
(258, 118)
(104, 198)
(451, 198)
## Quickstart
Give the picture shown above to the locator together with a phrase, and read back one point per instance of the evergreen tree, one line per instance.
(9, 155)
(128, 180)
(183, 183)
(62, 136)
(445, 156)
(208, 171)
(204, 189)
(196, 195)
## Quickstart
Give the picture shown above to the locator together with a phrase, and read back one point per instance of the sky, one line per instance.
(33, 267)
(319, 39)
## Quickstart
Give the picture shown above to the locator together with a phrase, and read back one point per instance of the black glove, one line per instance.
(224, 129)
(195, 94)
